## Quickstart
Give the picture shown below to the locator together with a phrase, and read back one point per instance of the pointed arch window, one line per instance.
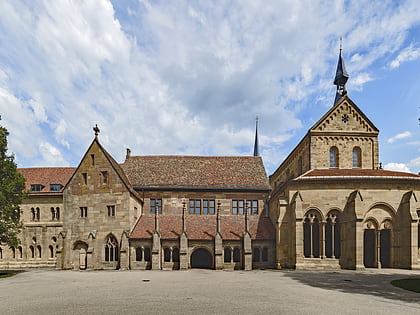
(357, 157)
(111, 249)
(334, 157)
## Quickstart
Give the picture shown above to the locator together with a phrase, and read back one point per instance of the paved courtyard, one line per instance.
(207, 292)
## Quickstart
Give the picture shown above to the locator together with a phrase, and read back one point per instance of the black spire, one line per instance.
(341, 77)
(256, 149)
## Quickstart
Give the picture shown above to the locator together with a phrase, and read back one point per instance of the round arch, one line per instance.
(201, 258)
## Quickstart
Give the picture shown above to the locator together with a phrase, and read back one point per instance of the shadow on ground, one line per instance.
(367, 283)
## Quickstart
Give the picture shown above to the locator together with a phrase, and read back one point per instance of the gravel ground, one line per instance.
(196, 291)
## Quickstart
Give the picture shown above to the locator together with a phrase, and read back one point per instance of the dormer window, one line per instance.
(55, 187)
(36, 187)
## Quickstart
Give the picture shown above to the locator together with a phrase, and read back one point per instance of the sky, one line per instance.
(190, 77)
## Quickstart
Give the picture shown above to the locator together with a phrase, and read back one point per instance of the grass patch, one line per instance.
(6, 274)
(410, 284)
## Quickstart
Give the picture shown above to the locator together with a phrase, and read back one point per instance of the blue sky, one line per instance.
(189, 77)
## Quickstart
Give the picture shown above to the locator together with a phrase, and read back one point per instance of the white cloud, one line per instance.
(410, 53)
(51, 155)
(178, 76)
(403, 135)
(399, 167)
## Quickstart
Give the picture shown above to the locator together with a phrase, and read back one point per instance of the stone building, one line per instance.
(328, 205)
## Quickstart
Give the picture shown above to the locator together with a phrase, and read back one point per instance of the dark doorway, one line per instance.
(201, 258)
(385, 241)
(369, 246)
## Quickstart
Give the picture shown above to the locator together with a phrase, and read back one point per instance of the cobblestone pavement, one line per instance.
(207, 292)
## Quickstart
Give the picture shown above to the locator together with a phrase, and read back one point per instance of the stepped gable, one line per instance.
(204, 227)
(321, 174)
(211, 172)
(46, 176)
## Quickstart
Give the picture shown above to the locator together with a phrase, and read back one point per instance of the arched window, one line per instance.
(57, 213)
(51, 249)
(52, 213)
(334, 157)
(311, 237)
(1, 253)
(166, 255)
(32, 251)
(357, 157)
(139, 254)
(256, 254)
(33, 215)
(147, 254)
(236, 254)
(20, 254)
(111, 249)
(332, 236)
(227, 255)
(13, 252)
(264, 255)
(175, 254)
(39, 251)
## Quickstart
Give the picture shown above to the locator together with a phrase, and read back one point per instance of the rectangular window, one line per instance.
(83, 212)
(208, 206)
(240, 206)
(111, 211)
(234, 206)
(55, 187)
(155, 204)
(84, 175)
(195, 206)
(92, 156)
(104, 176)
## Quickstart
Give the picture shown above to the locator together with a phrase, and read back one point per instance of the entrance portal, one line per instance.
(369, 246)
(385, 241)
(201, 258)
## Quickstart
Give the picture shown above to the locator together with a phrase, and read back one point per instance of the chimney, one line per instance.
(128, 154)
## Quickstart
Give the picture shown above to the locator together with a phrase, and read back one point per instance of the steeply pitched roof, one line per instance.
(204, 227)
(46, 176)
(355, 173)
(197, 172)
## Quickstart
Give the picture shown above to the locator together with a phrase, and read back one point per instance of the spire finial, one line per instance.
(341, 76)
(96, 130)
(256, 149)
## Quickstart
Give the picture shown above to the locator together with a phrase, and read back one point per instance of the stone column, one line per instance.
(359, 244)
(218, 242)
(183, 242)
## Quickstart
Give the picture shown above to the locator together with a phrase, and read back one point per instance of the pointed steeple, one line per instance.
(341, 76)
(256, 149)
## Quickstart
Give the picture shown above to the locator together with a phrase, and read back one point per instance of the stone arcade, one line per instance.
(328, 205)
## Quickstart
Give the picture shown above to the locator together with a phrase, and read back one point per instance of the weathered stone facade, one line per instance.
(343, 211)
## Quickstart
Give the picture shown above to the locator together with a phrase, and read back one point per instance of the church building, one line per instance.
(328, 205)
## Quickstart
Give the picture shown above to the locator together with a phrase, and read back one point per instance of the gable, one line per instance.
(345, 117)
(96, 165)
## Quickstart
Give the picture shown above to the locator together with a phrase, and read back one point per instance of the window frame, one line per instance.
(111, 211)
(83, 212)
(153, 206)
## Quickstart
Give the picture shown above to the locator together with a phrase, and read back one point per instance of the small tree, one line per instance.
(12, 192)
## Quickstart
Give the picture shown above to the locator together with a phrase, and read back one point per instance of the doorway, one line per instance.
(201, 258)
(369, 248)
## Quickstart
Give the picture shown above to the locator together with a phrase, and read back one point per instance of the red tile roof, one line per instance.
(220, 172)
(46, 176)
(204, 227)
(355, 173)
